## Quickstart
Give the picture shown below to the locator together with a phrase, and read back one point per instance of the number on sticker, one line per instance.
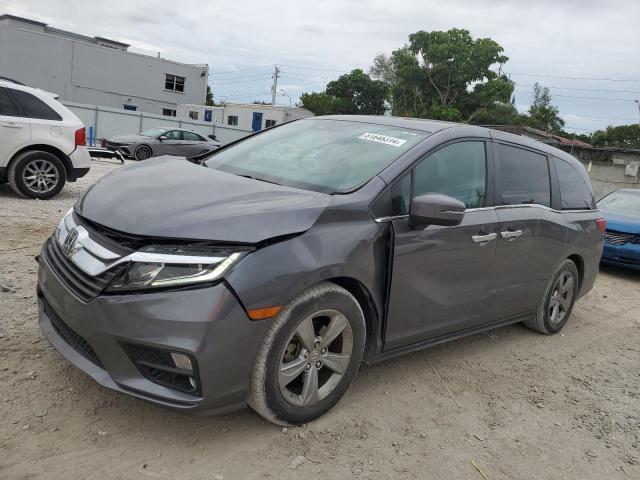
(387, 140)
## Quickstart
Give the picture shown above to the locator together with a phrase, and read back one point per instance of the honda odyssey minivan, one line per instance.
(266, 272)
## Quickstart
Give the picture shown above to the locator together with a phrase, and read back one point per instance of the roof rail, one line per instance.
(12, 81)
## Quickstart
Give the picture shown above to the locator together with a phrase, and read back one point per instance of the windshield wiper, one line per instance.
(259, 179)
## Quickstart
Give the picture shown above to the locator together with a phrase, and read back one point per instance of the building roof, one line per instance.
(64, 33)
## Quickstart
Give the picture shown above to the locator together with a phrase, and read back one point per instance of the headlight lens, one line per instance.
(168, 266)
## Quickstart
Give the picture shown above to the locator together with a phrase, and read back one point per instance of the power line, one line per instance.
(591, 98)
(232, 82)
(233, 72)
(582, 89)
(573, 78)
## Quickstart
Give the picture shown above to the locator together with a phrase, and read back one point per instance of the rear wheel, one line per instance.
(558, 300)
(309, 356)
(37, 174)
(143, 152)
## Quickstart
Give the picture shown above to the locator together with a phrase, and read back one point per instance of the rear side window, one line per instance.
(524, 177)
(33, 107)
(575, 194)
(192, 137)
(7, 107)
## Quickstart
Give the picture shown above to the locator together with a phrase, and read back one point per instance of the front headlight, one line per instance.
(160, 266)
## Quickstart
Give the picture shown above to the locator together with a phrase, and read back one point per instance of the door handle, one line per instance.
(511, 235)
(484, 239)
(11, 125)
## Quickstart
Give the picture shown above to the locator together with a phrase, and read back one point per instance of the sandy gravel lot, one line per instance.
(524, 406)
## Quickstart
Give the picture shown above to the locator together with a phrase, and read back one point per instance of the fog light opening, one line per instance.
(184, 362)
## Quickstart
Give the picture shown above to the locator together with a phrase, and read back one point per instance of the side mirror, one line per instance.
(212, 137)
(435, 209)
(162, 138)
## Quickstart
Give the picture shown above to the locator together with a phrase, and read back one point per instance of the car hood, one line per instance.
(130, 138)
(170, 197)
(622, 222)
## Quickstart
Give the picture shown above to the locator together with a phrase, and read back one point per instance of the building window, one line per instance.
(168, 112)
(232, 120)
(174, 83)
(193, 115)
(133, 108)
(269, 123)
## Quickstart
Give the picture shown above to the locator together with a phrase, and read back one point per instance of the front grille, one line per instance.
(618, 238)
(156, 365)
(69, 335)
(80, 283)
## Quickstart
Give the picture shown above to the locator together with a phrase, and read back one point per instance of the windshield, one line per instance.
(323, 155)
(153, 132)
(622, 202)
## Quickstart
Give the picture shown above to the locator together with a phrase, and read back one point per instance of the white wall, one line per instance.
(244, 112)
(108, 122)
(87, 73)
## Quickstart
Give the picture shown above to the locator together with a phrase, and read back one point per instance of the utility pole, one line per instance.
(276, 74)
(638, 103)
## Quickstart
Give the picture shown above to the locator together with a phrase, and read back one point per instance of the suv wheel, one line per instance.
(557, 302)
(143, 152)
(309, 357)
(37, 174)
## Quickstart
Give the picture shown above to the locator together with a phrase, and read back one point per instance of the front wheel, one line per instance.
(37, 174)
(557, 302)
(309, 357)
(143, 152)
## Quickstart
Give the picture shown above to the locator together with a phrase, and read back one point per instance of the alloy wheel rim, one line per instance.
(561, 297)
(315, 358)
(143, 153)
(41, 176)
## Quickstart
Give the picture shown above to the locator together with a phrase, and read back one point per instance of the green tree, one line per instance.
(351, 93)
(447, 75)
(209, 98)
(451, 62)
(542, 114)
(627, 136)
(318, 103)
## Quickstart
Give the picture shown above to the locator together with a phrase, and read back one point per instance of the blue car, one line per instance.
(622, 237)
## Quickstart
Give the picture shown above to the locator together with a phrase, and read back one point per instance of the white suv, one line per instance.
(42, 143)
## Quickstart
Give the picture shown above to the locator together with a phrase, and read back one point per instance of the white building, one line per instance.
(96, 70)
(242, 116)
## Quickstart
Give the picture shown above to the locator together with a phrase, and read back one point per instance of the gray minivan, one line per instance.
(268, 271)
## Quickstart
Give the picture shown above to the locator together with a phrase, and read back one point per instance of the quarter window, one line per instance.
(524, 177)
(174, 83)
(232, 120)
(7, 107)
(574, 192)
(33, 107)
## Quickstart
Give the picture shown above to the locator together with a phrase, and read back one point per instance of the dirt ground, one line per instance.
(522, 405)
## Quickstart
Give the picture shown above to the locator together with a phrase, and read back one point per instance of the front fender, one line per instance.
(275, 274)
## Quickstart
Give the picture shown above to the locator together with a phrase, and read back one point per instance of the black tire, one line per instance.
(544, 321)
(143, 152)
(267, 397)
(21, 173)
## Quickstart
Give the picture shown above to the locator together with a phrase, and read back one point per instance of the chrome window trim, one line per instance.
(497, 207)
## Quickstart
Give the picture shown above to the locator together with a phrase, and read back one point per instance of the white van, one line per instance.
(42, 143)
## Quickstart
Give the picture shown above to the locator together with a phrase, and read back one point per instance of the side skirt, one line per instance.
(416, 347)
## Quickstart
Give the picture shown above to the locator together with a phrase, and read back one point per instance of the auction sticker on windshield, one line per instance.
(387, 140)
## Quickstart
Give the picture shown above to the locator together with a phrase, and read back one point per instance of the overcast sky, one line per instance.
(315, 41)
